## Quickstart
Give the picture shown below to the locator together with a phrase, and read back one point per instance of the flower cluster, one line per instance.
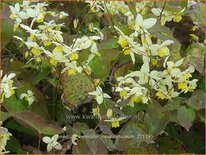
(26, 10)
(128, 43)
(118, 8)
(52, 142)
(139, 86)
(112, 7)
(133, 90)
(129, 46)
(29, 97)
(167, 84)
(45, 41)
(115, 121)
(7, 88)
(4, 137)
(167, 16)
(99, 95)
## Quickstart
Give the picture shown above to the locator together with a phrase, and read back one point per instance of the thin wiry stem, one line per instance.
(162, 9)
(39, 141)
(110, 17)
(79, 27)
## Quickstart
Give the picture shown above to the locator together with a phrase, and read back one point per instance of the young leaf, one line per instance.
(185, 116)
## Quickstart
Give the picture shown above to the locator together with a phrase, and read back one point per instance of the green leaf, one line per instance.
(83, 56)
(125, 29)
(14, 125)
(195, 56)
(42, 73)
(201, 115)
(201, 84)
(39, 106)
(143, 149)
(105, 129)
(184, 4)
(7, 32)
(105, 106)
(5, 115)
(76, 88)
(13, 105)
(54, 82)
(90, 144)
(170, 146)
(185, 116)
(37, 123)
(108, 44)
(157, 122)
(156, 118)
(132, 8)
(108, 142)
(131, 135)
(173, 8)
(162, 32)
(109, 55)
(123, 69)
(91, 140)
(174, 104)
(100, 70)
(197, 100)
(79, 127)
(129, 110)
(63, 115)
(15, 66)
(83, 148)
(13, 145)
(199, 9)
(173, 117)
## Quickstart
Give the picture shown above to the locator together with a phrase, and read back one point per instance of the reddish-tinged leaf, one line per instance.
(36, 122)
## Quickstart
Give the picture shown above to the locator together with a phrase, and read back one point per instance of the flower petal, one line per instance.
(167, 42)
(148, 23)
(132, 57)
(46, 139)
(31, 12)
(55, 137)
(99, 99)
(179, 62)
(139, 19)
(106, 95)
(23, 95)
(11, 75)
(156, 11)
(23, 15)
(58, 146)
(49, 147)
(154, 49)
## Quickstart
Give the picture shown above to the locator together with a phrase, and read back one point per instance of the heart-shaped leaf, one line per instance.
(36, 122)
(197, 100)
(185, 116)
(100, 69)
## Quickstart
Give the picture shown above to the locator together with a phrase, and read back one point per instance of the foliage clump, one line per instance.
(100, 77)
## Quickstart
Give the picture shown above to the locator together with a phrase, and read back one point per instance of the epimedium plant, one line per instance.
(111, 80)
